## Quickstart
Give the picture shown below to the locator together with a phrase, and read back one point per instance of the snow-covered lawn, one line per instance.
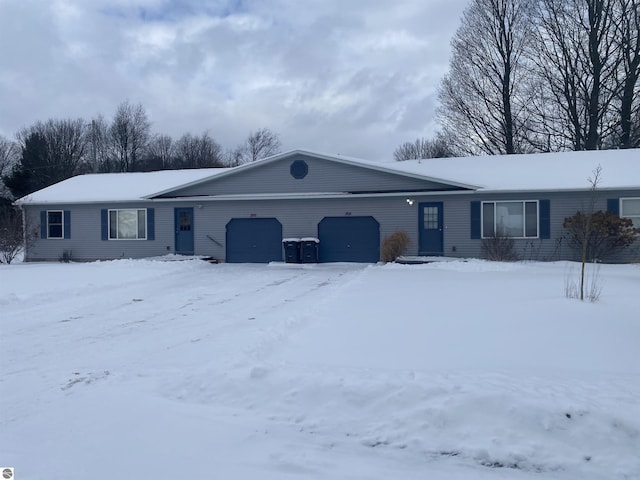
(153, 369)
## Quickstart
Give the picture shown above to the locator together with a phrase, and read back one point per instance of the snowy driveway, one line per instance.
(453, 370)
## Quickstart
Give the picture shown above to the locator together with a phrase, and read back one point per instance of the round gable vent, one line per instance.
(299, 169)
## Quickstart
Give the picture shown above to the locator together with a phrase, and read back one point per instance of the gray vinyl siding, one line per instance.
(323, 176)
(457, 224)
(300, 218)
(86, 234)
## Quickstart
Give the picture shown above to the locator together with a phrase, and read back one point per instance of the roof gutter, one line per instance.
(320, 195)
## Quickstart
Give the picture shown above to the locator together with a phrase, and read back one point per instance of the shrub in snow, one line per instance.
(499, 248)
(395, 245)
(12, 237)
(66, 257)
(599, 234)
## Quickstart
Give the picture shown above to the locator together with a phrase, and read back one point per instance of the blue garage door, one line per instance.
(254, 240)
(349, 239)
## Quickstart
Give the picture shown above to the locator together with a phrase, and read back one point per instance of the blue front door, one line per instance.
(184, 230)
(431, 227)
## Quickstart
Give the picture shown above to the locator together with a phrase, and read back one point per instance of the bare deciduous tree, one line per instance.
(424, 148)
(627, 103)
(8, 155)
(67, 143)
(198, 151)
(260, 144)
(129, 134)
(98, 146)
(483, 97)
(161, 153)
(8, 158)
(544, 75)
(577, 61)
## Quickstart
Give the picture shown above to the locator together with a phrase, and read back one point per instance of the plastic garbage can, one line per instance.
(291, 250)
(309, 249)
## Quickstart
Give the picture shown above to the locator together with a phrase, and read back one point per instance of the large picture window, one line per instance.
(630, 208)
(128, 224)
(55, 224)
(518, 219)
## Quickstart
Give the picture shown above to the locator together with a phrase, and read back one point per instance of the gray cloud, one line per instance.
(357, 77)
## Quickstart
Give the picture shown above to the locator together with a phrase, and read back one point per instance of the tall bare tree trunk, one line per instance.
(483, 98)
(578, 60)
(628, 36)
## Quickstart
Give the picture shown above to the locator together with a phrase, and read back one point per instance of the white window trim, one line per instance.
(622, 215)
(61, 237)
(523, 202)
(146, 226)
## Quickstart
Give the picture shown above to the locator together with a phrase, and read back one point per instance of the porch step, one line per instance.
(210, 259)
(418, 260)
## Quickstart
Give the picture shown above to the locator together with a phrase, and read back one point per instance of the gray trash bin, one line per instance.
(309, 249)
(291, 250)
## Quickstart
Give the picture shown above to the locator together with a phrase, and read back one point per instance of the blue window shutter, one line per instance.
(151, 224)
(43, 224)
(545, 218)
(104, 223)
(67, 224)
(613, 205)
(475, 220)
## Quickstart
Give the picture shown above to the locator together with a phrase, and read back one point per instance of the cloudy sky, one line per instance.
(356, 77)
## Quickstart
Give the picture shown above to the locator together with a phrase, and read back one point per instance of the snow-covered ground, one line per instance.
(455, 370)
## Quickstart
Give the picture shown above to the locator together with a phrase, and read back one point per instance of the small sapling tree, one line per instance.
(595, 235)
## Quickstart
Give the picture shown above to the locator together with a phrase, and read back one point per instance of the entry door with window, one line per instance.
(431, 228)
(184, 230)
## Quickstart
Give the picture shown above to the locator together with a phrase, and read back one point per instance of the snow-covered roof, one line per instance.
(379, 166)
(116, 187)
(620, 169)
(557, 171)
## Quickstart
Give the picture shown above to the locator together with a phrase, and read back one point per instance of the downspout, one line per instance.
(24, 232)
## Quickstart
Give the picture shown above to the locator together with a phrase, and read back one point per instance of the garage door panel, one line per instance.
(349, 239)
(254, 240)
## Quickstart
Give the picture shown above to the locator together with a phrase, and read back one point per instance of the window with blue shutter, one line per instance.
(510, 218)
(127, 224)
(55, 224)
(613, 205)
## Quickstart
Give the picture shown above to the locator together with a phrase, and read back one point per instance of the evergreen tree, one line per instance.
(33, 171)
